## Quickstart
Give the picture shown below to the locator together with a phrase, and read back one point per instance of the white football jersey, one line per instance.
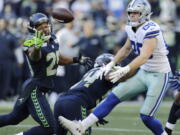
(158, 62)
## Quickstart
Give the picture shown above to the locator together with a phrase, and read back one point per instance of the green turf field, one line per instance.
(123, 120)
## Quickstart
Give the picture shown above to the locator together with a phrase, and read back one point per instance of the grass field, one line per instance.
(123, 120)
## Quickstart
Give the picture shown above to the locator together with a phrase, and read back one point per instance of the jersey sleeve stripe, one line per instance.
(152, 33)
(151, 36)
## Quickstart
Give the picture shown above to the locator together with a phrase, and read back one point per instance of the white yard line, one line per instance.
(105, 129)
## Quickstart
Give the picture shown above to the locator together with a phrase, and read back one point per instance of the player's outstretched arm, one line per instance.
(146, 52)
(121, 55)
(63, 60)
(85, 61)
(34, 45)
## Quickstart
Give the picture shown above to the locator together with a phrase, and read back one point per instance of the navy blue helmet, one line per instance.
(103, 59)
(37, 19)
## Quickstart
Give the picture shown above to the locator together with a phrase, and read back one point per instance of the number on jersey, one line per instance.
(53, 58)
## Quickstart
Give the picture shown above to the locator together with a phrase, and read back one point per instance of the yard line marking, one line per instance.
(105, 129)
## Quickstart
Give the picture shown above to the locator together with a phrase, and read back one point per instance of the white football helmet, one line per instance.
(141, 6)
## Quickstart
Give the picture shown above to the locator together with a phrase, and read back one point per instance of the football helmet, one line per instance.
(139, 6)
(37, 19)
(103, 59)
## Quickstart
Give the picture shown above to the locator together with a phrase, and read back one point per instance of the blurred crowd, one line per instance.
(98, 27)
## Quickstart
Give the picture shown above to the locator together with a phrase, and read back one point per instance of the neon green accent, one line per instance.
(38, 108)
(29, 43)
(83, 112)
(38, 40)
(84, 115)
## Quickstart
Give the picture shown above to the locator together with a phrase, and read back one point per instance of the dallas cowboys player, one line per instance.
(83, 96)
(174, 114)
(43, 58)
(146, 40)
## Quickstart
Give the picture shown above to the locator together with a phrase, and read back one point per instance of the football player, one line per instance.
(145, 38)
(83, 96)
(43, 57)
(174, 114)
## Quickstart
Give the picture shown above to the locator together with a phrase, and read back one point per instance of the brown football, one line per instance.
(62, 15)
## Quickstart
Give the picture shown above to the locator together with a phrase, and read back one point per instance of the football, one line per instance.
(62, 15)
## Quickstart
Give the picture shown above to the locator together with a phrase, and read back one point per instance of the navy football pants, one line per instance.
(38, 107)
(71, 107)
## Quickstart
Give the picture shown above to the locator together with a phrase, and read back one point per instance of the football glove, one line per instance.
(37, 40)
(102, 122)
(106, 69)
(119, 73)
(85, 61)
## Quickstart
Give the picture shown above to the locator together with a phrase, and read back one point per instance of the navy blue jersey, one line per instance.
(91, 88)
(46, 67)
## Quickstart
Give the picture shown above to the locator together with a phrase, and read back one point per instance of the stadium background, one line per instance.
(98, 27)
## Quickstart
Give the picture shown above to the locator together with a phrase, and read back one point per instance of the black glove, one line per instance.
(85, 61)
(102, 122)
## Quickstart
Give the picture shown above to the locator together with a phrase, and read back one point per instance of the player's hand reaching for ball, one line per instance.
(37, 40)
(85, 61)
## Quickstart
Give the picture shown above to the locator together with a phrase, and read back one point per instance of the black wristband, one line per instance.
(75, 59)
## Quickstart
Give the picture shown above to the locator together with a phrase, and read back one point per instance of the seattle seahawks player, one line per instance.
(174, 114)
(43, 58)
(146, 40)
(83, 96)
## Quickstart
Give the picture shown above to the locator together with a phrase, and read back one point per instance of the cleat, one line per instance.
(75, 127)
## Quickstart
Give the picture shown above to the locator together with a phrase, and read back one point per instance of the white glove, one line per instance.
(106, 69)
(119, 73)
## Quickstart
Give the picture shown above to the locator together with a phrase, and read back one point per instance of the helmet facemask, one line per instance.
(143, 8)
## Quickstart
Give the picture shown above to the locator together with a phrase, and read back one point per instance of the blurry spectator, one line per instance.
(167, 18)
(80, 7)
(8, 50)
(115, 7)
(60, 4)
(1, 6)
(156, 7)
(66, 76)
(16, 6)
(99, 14)
(67, 39)
(177, 35)
(167, 15)
(91, 45)
(8, 11)
(28, 7)
(31, 6)
(110, 34)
